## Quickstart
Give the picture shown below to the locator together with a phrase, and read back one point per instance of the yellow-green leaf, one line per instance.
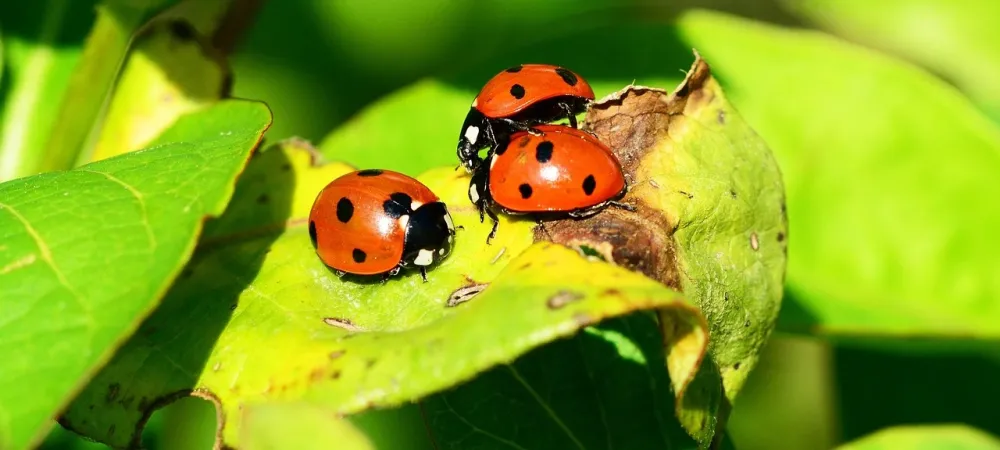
(257, 316)
(300, 426)
(925, 437)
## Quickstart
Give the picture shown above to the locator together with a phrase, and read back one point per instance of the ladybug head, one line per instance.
(474, 136)
(430, 234)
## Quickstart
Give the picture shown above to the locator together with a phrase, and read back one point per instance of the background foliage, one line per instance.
(883, 120)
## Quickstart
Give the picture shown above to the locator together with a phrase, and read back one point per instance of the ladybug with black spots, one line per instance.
(561, 171)
(377, 222)
(517, 99)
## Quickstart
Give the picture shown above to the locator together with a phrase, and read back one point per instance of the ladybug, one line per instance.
(372, 222)
(560, 170)
(515, 100)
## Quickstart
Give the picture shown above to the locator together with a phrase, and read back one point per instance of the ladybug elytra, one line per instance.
(517, 99)
(560, 170)
(376, 222)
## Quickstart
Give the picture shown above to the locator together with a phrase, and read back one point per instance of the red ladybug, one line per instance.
(374, 221)
(561, 170)
(515, 100)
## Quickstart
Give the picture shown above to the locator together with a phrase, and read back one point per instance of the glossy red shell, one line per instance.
(563, 170)
(510, 92)
(362, 238)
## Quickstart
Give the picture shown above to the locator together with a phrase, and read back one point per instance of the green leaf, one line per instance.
(82, 106)
(891, 179)
(171, 70)
(599, 389)
(959, 40)
(40, 49)
(925, 437)
(298, 425)
(86, 254)
(258, 317)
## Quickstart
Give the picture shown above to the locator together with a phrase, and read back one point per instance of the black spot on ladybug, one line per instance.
(567, 76)
(543, 152)
(359, 255)
(589, 184)
(517, 91)
(514, 69)
(525, 189)
(312, 232)
(345, 210)
(402, 199)
(398, 205)
(370, 173)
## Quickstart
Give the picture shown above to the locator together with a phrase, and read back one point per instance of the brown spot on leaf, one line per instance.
(465, 293)
(736, 366)
(112, 392)
(370, 363)
(611, 292)
(686, 194)
(721, 118)
(263, 199)
(563, 298)
(316, 374)
(781, 236)
(639, 240)
(341, 322)
(335, 375)
(337, 353)
(583, 319)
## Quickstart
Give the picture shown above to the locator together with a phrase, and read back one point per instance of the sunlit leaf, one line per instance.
(958, 40)
(278, 426)
(891, 179)
(86, 254)
(925, 437)
(258, 317)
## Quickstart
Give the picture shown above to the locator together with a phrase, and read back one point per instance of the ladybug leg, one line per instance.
(569, 113)
(625, 206)
(423, 273)
(496, 224)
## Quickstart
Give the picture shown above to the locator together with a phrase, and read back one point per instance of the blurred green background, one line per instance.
(339, 73)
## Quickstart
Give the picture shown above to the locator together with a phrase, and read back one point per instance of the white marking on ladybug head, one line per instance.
(472, 134)
(448, 222)
(424, 258)
(473, 194)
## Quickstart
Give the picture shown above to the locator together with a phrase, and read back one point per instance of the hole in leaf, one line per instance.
(189, 422)
(591, 252)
